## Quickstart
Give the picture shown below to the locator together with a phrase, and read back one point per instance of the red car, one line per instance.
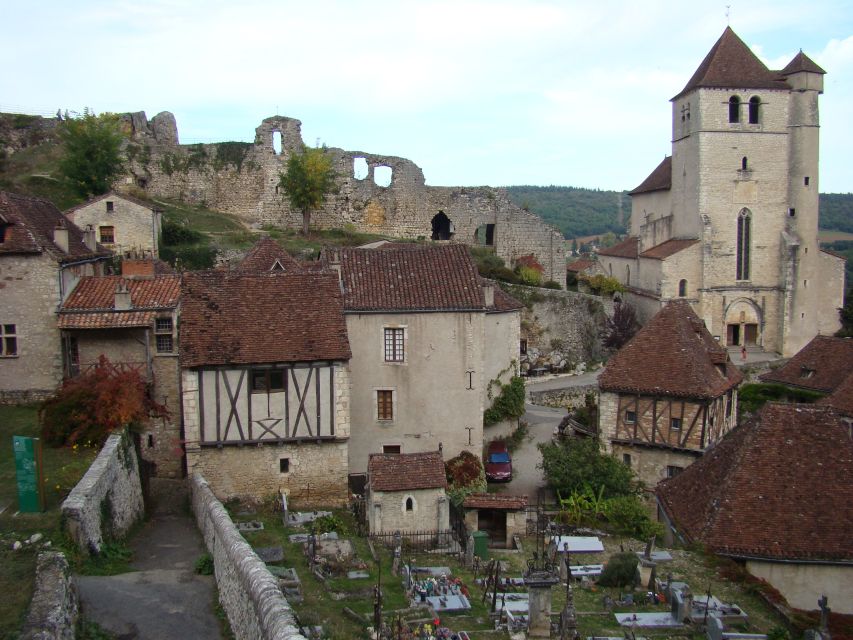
(498, 462)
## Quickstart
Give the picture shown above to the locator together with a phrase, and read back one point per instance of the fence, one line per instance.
(435, 540)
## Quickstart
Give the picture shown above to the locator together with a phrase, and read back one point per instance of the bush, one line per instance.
(204, 565)
(325, 524)
(552, 284)
(465, 475)
(572, 464)
(753, 396)
(602, 285)
(191, 258)
(529, 276)
(174, 233)
(620, 571)
(628, 517)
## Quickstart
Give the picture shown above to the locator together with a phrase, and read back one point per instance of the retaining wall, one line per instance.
(108, 499)
(55, 605)
(248, 592)
(571, 398)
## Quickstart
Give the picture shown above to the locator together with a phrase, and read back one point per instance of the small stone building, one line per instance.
(406, 493)
(775, 494)
(500, 515)
(124, 224)
(668, 395)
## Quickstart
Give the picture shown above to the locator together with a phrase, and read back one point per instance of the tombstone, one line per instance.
(270, 554)
(539, 584)
(650, 545)
(469, 552)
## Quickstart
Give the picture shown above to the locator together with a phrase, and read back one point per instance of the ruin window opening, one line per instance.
(754, 105)
(734, 109)
(743, 244)
(360, 170)
(442, 227)
(276, 142)
(485, 235)
(682, 288)
(382, 176)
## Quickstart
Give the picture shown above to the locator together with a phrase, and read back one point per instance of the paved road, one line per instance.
(563, 381)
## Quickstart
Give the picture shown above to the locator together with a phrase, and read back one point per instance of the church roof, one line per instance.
(668, 248)
(672, 355)
(730, 64)
(801, 62)
(778, 487)
(658, 180)
(821, 365)
(628, 248)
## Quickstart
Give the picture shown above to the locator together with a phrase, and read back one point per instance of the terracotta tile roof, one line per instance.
(97, 293)
(668, 248)
(672, 355)
(414, 278)
(821, 365)
(31, 222)
(730, 64)
(658, 180)
(499, 501)
(112, 195)
(779, 487)
(580, 265)
(106, 319)
(406, 471)
(801, 62)
(264, 255)
(842, 398)
(504, 301)
(243, 318)
(628, 248)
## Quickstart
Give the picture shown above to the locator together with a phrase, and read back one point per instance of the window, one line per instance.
(164, 344)
(107, 235)
(675, 424)
(806, 372)
(163, 334)
(744, 164)
(682, 288)
(630, 417)
(806, 181)
(394, 347)
(410, 504)
(626, 459)
(8, 340)
(743, 231)
(672, 471)
(754, 104)
(734, 109)
(522, 346)
(384, 404)
(393, 449)
(110, 206)
(267, 380)
(792, 212)
(284, 465)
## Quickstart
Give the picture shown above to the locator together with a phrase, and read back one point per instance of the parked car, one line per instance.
(498, 462)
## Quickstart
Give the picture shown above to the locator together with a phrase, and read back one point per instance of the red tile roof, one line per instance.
(668, 248)
(658, 180)
(580, 265)
(779, 487)
(842, 398)
(106, 320)
(410, 277)
(628, 248)
(500, 501)
(245, 318)
(31, 222)
(801, 62)
(672, 355)
(97, 293)
(821, 365)
(730, 64)
(504, 301)
(406, 471)
(264, 255)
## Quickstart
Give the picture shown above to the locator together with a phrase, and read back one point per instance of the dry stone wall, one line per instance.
(55, 606)
(242, 179)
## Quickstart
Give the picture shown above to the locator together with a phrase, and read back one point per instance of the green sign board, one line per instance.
(28, 469)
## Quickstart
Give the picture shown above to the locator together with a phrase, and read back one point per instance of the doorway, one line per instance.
(442, 227)
(732, 335)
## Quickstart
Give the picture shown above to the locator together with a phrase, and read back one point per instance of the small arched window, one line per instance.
(734, 109)
(754, 104)
(743, 243)
(682, 288)
(410, 504)
(744, 164)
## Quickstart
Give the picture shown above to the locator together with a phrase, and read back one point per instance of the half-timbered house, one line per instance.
(265, 383)
(667, 395)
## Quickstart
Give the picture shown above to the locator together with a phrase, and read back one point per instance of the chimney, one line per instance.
(60, 235)
(122, 302)
(139, 268)
(89, 238)
(489, 294)
(335, 264)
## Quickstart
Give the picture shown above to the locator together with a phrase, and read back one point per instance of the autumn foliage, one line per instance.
(89, 407)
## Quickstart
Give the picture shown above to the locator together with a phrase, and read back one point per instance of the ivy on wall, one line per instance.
(509, 403)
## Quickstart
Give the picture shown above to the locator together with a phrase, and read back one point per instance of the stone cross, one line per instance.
(824, 615)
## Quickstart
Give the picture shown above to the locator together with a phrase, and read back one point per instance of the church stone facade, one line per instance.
(729, 221)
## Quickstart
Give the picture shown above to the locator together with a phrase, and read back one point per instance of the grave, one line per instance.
(270, 554)
(288, 582)
(299, 518)
(647, 620)
(358, 575)
(341, 550)
(576, 544)
(302, 538)
(449, 602)
(253, 525)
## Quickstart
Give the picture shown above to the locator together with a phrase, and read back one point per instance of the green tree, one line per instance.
(92, 157)
(572, 464)
(308, 180)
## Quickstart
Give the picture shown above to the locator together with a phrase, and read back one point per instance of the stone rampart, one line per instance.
(55, 606)
(248, 592)
(108, 499)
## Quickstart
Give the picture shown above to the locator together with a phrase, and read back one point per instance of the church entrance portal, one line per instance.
(442, 227)
(741, 334)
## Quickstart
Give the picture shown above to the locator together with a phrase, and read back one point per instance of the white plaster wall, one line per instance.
(803, 584)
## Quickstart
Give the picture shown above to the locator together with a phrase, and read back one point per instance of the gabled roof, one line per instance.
(672, 355)
(31, 222)
(406, 471)
(580, 265)
(779, 487)
(801, 62)
(658, 180)
(268, 255)
(232, 317)
(497, 501)
(730, 64)
(668, 248)
(112, 195)
(628, 248)
(821, 365)
(842, 398)
(503, 302)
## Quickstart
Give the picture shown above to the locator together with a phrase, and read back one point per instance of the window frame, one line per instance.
(384, 405)
(394, 340)
(630, 416)
(675, 424)
(164, 336)
(268, 385)
(9, 336)
(754, 110)
(111, 206)
(744, 241)
(673, 470)
(734, 109)
(101, 234)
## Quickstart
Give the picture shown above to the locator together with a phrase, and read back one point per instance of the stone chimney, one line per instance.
(122, 302)
(60, 235)
(489, 294)
(89, 238)
(335, 264)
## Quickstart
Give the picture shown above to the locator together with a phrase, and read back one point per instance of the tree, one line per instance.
(91, 158)
(621, 327)
(308, 180)
(572, 464)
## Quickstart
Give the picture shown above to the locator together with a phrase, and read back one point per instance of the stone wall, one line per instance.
(136, 227)
(248, 592)
(55, 606)
(108, 499)
(571, 398)
(387, 511)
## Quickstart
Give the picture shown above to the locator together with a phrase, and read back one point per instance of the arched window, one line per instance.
(682, 288)
(734, 109)
(743, 240)
(754, 104)
(410, 504)
(744, 164)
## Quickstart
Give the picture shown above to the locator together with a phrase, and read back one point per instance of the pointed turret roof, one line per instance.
(730, 64)
(802, 62)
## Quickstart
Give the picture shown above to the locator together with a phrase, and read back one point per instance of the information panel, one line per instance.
(28, 469)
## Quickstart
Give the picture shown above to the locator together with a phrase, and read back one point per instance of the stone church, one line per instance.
(729, 221)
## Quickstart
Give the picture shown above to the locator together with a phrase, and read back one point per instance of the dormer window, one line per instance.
(754, 104)
(806, 373)
(734, 109)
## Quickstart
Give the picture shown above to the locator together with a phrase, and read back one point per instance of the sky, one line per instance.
(474, 92)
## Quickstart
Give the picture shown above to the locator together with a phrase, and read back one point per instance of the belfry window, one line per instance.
(743, 243)
(682, 288)
(754, 104)
(734, 109)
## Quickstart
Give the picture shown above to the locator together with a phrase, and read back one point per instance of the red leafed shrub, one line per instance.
(530, 262)
(89, 407)
(465, 475)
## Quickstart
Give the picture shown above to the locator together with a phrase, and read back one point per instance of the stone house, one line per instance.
(132, 319)
(429, 339)
(729, 221)
(667, 396)
(775, 495)
(42, 256)
(501, 515)
(122, 223)
(406, 493)
(265, 382)
(822, 365)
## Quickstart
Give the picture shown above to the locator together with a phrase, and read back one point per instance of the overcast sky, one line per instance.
(476, 93)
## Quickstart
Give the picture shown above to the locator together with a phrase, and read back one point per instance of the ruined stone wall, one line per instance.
(55, 606)
(242, 179)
